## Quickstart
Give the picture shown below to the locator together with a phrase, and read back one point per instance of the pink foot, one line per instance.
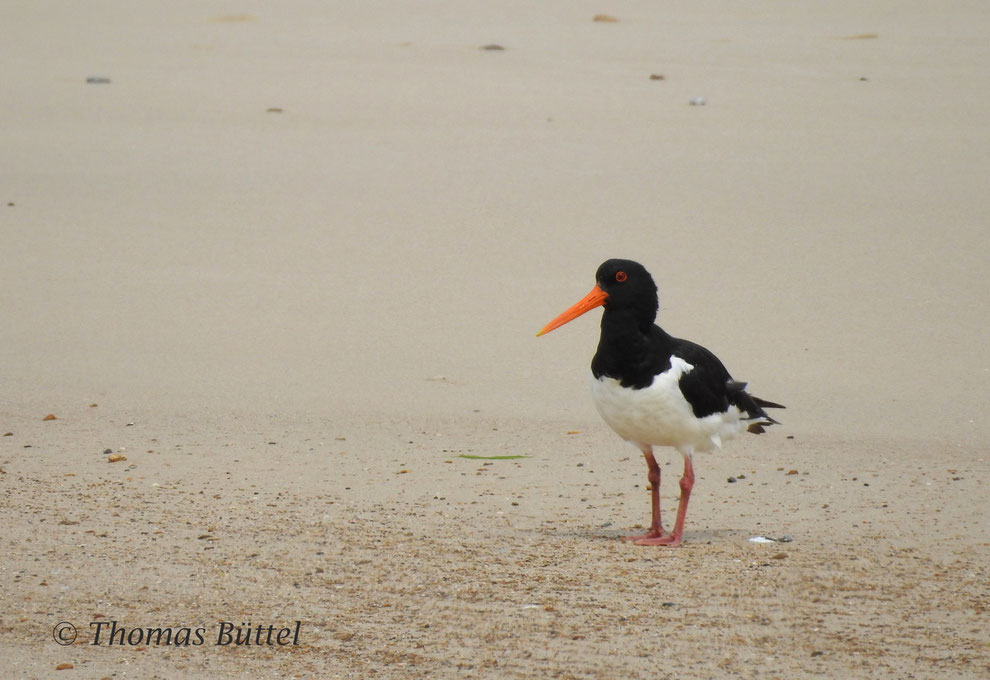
(649, 536)
(669, 539)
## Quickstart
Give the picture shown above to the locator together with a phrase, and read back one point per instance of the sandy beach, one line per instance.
(276, 273)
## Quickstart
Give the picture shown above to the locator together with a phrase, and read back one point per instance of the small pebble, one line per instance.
(731, 480)
(786, 538)
(697, 101)
(657, 76)
(98, 80)
(492, 48)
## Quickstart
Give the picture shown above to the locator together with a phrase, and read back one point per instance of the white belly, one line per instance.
(659, 415)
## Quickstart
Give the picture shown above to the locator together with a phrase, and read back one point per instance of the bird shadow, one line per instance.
(607, 533)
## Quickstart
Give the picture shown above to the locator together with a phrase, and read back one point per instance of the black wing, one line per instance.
(706, 386)
(710, 389)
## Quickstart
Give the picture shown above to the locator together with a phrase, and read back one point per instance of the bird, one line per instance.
(655, 390)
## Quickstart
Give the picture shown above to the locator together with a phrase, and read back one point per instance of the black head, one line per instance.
(624, 288)
(629, 287)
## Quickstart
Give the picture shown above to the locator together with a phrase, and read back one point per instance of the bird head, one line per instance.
(620, 286)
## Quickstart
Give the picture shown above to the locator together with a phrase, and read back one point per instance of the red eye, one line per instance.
(620, 276)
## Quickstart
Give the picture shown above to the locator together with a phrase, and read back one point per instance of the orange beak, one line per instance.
(596, 298)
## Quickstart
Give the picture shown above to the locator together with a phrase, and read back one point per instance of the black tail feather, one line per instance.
(767, 404)
(751, 406)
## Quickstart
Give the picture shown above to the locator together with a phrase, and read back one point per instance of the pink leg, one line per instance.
(674, 538)
(656, 529)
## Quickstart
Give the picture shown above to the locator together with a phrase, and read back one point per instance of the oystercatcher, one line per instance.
(657, 390)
